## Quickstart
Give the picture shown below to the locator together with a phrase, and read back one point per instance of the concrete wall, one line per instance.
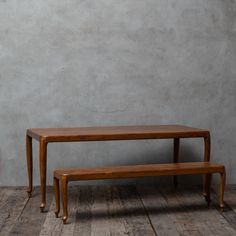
(112, 62)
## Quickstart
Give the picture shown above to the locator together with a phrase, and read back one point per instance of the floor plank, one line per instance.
(111, 210)
(31, 220)
(158, 210)
(120, 210)
(193, 203)
(5, 192)
(181, 212)
(54, 226)
(229, 213)
(136, 219)
(12, 204)
(102, 222)
(230, 196)
(69, 228)
(205, 219)
(83, 214)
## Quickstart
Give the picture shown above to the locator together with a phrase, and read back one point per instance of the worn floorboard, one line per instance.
(136, 219)
(203, 219)
(12, 204)
(54, 226)
(31, 219)
(120, 210)
(229, 213)
(83, 215)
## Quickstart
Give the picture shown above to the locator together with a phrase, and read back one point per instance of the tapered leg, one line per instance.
(176, 157)
(64, 185)
(43, 172)
(222, 189)
(29, 158)
(207, 177)
(57, 195)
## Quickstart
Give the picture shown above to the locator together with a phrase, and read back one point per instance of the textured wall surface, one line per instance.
(112, 62)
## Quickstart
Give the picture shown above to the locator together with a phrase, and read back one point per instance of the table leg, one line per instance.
(176, 157)
(29, 158)
(207, 177)
(43, 171)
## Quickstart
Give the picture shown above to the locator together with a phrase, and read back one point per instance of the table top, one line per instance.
(116, 133)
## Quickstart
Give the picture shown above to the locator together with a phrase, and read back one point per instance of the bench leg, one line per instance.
(64, 186)
(57, 195)
(207, 187)
(222, 189)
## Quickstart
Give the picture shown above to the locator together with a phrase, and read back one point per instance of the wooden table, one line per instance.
(50, 135)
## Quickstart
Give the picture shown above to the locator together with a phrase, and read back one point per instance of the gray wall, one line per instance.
(112, 62)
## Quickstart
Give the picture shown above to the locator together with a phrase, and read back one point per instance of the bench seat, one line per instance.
(132, 171)
(135, 171)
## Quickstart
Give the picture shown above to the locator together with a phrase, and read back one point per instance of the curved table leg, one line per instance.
(29, 158)
(43, 171)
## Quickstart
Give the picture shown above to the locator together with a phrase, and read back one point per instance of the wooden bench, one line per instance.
(188, 168)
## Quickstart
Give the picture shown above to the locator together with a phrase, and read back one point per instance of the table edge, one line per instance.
(198, 133)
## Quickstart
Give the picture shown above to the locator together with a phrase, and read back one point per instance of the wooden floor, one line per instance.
(119, 210)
